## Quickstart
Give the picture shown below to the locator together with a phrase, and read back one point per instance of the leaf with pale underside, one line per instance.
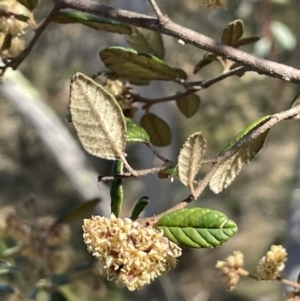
(232, 32)
(128, 63)
(229, 169)
(97, 118)
(190, 158)
(157, 128)
(147, 41)
(188, 105)
(197, 227)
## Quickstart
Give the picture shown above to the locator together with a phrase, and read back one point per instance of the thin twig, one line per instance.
(162, 19)
(16, 61)
(192, 88)
(157, 154)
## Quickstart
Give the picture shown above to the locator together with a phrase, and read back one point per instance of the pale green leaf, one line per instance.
(135, 133)
(97, 118)
(232, 32)
(190, 158)
(147, 41)
(188, 105)
(128, 63)
(157, 128)
(197, 227)
(95, 22)
(228, 170)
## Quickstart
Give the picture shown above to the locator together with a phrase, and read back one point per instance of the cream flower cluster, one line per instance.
(12, 29)
(129, 253)
(214, 3)
(272, 264)
(229, 269)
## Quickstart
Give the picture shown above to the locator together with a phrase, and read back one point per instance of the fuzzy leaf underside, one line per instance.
(228, 170)
(146, 41)
(98, 23)
(190, 158)
(128, 63)
(97, 118)
(197, 227)
(157, 128)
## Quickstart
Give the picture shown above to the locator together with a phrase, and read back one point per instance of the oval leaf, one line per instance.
(190, 158)
(188, 105)
(139, 207)
(228, 170)
(157, 128)
(132, 64)
(197, 227)
(97, 118)
(135, 133)
(246, 41)
(67, 17)
(168, 172)
(147, 41)
(206, 60)
(232, 32)
(116, 189)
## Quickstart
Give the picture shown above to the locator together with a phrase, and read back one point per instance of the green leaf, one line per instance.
(139, 207)
(116, 189)
(68, 117)
(197, 227)
(129, 63)
(188, 105)
(206, 60)
(29, 4)
(79, 211)
(147, 41)
(66, 17)
(246, 41)
(97, 118)
(21, 17)
(228, 170)
(190, 158)
(58, 296)
(232, 32)
(135, 133)
(4, 288)
(157, 128)
(283, 35)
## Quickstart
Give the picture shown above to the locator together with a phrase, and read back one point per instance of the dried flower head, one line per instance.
(214, 3)
(229, 269)
(272, 264)
(120, 91)
(127, 252)
(11, 28)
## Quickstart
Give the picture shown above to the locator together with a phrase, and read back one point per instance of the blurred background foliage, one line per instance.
(257, 200)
